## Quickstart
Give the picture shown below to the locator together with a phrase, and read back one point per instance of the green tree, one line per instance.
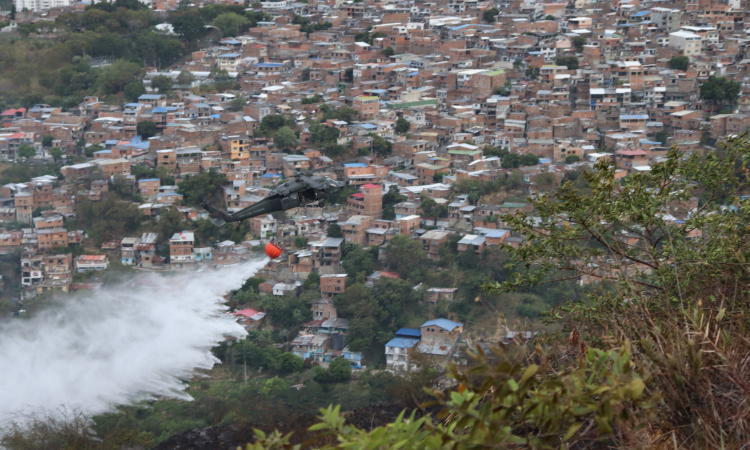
(273, 122)
(390, 199)
(376, 35)
(388, 51)
(146, 129)
(56, 153)
(113, 79)
(570, 61)
(197, 188)
(570, 159)
(189, 27)
(185, 78)
(334, 231)
(549, 17)
(517, 63)
(218, 74)
(679, 63)
(489, 151)
(305, 76)
(169, 223)
(358, 263)
(162, 83)
(91, 149)
(579, 42)
(47, 140)
(405, 255)
(26, 151)
(532, 72)
(108, 218)
(323, 135)
(312, 100)
(504, 90)
(300, 241)
(720, 91)
(238, 103)
(291, 363)
(678, 287)
(134, 90)
(511, 161)
(340, 370)
(529, 159)
(402, 125)
(231, 24)
(490, 14)
(661, 136)
(285, 139)
(273, 387)
(381, 146)
(312, 282)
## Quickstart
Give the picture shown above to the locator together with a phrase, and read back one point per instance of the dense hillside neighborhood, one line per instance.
(450, 125)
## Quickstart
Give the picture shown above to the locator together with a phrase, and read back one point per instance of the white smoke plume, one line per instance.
(119, 345)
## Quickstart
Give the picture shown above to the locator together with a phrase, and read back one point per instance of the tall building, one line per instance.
(369, 202)
(39, 5)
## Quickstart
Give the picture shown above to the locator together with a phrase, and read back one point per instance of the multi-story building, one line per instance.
(431, 242)
(149, 187)
(181, 255)
(366, 106)
(687, 42)
(332, 284)
(24, 206)
(128, 250)
(368, 202)
(355, 228)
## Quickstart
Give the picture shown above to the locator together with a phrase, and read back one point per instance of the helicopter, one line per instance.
(304, 188)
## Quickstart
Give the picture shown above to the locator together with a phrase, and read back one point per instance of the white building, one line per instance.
(689, 43)
(91, 262)
(39, 5)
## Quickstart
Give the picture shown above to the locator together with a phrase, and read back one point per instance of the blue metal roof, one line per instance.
(148, 179)
(103, 151)
(640, 13)
(149, 97)
(355, 165)
(270, 175)
(401, 342)
(442, 323)
(409, 332)
(368, 126)
(268, 65)
(170, 193)
(646, 141)
(496, 233)
(634, 116)
(159, 109)
(229, 55)
(111, 142)
(132, 105)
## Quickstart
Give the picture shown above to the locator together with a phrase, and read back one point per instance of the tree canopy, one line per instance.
(679, 63)
(201, 187)
(720, 91)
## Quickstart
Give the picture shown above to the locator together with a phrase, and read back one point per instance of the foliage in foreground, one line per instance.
(673, 244)
(503, 402)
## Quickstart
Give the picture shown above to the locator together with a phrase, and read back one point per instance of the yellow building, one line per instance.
(239, 146)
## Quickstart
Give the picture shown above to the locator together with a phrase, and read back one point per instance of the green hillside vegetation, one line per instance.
(58, 71)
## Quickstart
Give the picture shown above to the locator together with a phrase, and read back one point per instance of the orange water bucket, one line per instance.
(272, 250)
